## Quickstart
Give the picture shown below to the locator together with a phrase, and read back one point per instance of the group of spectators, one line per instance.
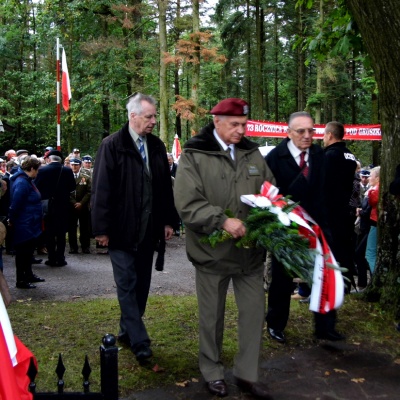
(42, 200)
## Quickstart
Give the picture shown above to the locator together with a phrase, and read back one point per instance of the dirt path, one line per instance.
(89, 276)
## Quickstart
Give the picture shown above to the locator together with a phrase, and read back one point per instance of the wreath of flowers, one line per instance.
(283, 228)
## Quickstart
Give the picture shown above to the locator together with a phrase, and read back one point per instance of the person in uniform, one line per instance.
(79, 210)
(216, 168)
(132, 202)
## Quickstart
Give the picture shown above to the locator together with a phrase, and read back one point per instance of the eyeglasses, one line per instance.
(302, 131)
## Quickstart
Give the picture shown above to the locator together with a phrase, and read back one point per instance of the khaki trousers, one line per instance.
(250, 300)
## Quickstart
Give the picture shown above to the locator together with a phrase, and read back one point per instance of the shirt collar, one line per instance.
(222, 143)
(295, 151)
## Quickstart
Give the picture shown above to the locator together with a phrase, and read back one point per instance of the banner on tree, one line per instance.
(279, 130)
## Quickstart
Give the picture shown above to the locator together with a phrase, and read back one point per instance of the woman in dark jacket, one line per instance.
(25, 216)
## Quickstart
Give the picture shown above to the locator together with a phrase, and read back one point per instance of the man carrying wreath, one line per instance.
(216, 167)
(298, 166)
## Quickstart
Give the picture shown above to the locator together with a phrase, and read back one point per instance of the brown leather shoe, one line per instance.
(257, 389)
(217, 388)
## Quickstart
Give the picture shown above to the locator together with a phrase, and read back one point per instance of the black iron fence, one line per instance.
(108, 376)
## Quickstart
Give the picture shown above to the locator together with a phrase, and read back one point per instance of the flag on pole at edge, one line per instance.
(15, 359)
(65, 86)
(176, 148)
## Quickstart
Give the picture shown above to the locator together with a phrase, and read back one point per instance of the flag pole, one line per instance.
(58, 97)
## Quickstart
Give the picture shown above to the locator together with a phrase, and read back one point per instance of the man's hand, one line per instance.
(235, 227)
(78, 206)
(102, 240)
(168, 232)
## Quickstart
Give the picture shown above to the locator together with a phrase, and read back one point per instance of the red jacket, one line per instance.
(373, 197)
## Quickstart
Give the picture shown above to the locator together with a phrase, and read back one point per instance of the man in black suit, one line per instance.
(56, 182)
(132, 204)
(172, 165)
(297, 165)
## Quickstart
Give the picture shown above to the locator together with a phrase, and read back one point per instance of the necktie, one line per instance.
(141, 149)
(303, 165)
(76, 176)
(230, 153)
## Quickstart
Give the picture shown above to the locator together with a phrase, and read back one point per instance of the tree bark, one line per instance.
(379, 24)
(162, 22)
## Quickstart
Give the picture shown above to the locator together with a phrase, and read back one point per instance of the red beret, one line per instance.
(231, 106)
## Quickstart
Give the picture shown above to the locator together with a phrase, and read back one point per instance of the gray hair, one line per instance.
(134, 104)
(298, 114)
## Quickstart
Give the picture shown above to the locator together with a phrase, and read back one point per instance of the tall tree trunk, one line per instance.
(162, 23)
(318, 90)
(258, 96)
(379, 23)
(276, 72)
(196, 68)
(301, 67)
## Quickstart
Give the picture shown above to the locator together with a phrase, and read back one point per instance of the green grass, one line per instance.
(76, 329)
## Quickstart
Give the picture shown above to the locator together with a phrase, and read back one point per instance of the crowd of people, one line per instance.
(137, 196)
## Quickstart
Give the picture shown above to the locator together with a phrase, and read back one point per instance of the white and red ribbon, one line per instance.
(327, 292)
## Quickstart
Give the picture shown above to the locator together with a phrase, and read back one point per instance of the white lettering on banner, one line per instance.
(279, 129)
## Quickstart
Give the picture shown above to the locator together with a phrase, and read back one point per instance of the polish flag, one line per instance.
(176, 148)
(65, 86)
(15, 359)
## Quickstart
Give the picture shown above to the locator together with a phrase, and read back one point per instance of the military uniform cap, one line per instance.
(87, 158)
(365, 172)
(231, 106)
(76, 161)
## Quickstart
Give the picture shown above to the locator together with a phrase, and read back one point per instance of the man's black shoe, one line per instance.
(333, 336)
(86, 250)
(37, 260)
(60, 264)
(34, 278)
(73, 251)
(277, 335)
(257, 389)
(51, 263)
(217, 388)
(142, 352)
(124, 339)
(160, 263)
(25, 285)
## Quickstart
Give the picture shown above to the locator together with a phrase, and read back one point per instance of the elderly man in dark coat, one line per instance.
(298, 166)
(132, 204)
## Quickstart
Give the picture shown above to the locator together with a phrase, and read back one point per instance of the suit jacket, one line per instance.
(290, 181)
(51, 183)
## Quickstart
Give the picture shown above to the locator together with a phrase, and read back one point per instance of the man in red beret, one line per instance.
(215, 169)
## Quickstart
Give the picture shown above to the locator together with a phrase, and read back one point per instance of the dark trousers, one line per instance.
(83, 217)
(55, 241)
(279, 293)
(361, 262)
(23, 260)
(132, 275)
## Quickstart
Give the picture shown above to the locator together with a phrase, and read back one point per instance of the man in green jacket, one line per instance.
(216, 168)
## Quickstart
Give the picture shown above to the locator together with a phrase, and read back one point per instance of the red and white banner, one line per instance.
(65, 86)
(176, 148)
(279, 130)
(15, 359)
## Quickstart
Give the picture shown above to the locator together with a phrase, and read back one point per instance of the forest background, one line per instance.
(189, 55)
(337, 59)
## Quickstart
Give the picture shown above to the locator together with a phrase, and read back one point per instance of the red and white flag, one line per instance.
(65, 86)
(15, 359)
(176, 148)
